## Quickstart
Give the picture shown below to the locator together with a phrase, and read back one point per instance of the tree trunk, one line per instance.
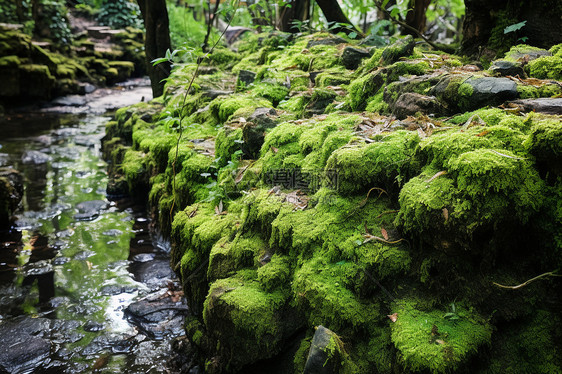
(416, 16)
(486, 19)
(333, 13)
(157, 41)
(298, 10)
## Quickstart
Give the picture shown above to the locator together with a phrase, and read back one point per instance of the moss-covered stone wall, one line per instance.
(293, 201)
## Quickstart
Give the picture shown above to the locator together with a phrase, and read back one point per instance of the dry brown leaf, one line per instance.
(393, 317)
(384, 233)
(446, 214)
(275, 150)
(193, 213)
(439, 341)
(485, 132)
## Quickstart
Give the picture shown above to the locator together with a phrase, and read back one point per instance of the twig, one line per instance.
(550, 273)
(182, 115)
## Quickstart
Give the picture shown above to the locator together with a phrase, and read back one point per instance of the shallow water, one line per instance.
(74, 261)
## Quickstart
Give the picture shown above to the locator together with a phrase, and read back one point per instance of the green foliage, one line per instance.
(184, 29)
(54, 14)
(549, 67)
(119, 14)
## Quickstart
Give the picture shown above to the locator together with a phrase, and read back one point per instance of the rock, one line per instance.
(335, 40)
(503, 68)
(213, 94)
(525, 52)
(23, 348)
(352, 57)
(324, 356)
(543, 105)
(35, 158)
(11, 193)
(246, 77)
(490, 91)
(253, 131)
(93, 326)
(157, 318)
(411, 103)
(85, 88)
(153, 273)
(89, 210)
(401, 48)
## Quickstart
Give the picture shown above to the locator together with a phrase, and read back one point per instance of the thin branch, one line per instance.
(549, 274)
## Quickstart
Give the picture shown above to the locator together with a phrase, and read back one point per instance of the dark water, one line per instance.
(74, 261)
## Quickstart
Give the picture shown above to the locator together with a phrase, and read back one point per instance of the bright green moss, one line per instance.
(332, 77)
(224, 107)
(227, 142)
(527, 92)
(371, 63)
(321, 291)
(381, 164)
(545, 141)
(521, 50)
(550, 90)
(223, 56)
(226, 257)
(362, 88)
(427, 340)
(275, 274)
(377, 104)
(490, 116)
(272, 92)
(295, 105)
(402, 68)
(549, 67)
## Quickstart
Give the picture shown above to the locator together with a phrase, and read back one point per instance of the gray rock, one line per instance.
(491, 91)
(246, 77)
(89, 210)
(253, 131)
(528, 54)
(504, 68)
(35, 158)
(352, 57)
(320, 361)
(543, 105)
(157, 318)
(411, 103)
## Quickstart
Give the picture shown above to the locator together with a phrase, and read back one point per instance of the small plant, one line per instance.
(514, 28)
(452, 315)
(120, 14)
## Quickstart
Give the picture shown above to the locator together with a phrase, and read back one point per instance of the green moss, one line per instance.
(9, 61)
(223, 56)
(227, 143)
(545, 141)
(135, 169)
(295, 105)
(527, 92)
(224, 107)
(549, 67)
(372, 63)
(272, 92)
(380, 164)
(332, 77)
(490, 116)
(363, 88)
(521, 50)
(550, 90)
(402, 68)
(377, 104)
(275, 274)
(226, 257)
(452, 343)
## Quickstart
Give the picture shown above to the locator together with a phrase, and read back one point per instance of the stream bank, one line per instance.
(84, 285)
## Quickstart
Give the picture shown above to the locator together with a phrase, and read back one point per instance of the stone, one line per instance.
(411, 103)
(253, 131)
(326, 41)
(320, 359)
(401, 48)
(157, 318)
(352, 57)
(504, 68)
(89, 210)
(246, 77)
(490, 91)
(35, 158)
(542, 105)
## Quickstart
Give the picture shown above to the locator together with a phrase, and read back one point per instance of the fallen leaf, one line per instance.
(275, 150)
(446, 214)
(437, 175)
(439, 341)
(90, 266)
(384, 233)
(101, 362)
(193, 213)
(393, 317)
(485, 132)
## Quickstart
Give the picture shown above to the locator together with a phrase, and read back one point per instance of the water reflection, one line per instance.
(67, 264)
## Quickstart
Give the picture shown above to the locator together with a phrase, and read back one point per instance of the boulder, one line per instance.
(542, 105)
(246, 77)
(401, 48)
(411, 103)
(352, 57)
(253, 131)
(504, 68)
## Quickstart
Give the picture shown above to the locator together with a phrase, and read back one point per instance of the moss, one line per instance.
(9, 61)
(550, 90)
(363, 88)
(227, 143)
(272, 92)
(521, 50)
(545, 141)
(490, 116)
(380, 164)
(402, 68)
(226, 257)
(377, 104)
(224, 107)
(223, 56)
(295, 105)
(275, 274)
(428, 340)
(527, 92)
(301, 356)
(135, 169)
(332, 77)
(371, 63)
(549, 67)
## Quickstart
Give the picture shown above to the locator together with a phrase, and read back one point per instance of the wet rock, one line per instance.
(326, 41)
(411, 103)
(322, 357)
(144, 257)
(542, 105)
(89, 210)
(157, 318)
(153, 273)
(35, 158)
(93, 326)
(71, 100)
(504, 68)
(23, 348)
(352, 57)
(116, 290)
(11, 193)
(401, 48)
(246, 77)
(253, 131)
(85, 88)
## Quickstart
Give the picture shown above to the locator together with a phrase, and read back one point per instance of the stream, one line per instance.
(84, 286)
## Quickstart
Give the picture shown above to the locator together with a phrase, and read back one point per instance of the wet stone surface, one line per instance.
(82, 286)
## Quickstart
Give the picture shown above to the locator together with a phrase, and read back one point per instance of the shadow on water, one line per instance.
(82, 286)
